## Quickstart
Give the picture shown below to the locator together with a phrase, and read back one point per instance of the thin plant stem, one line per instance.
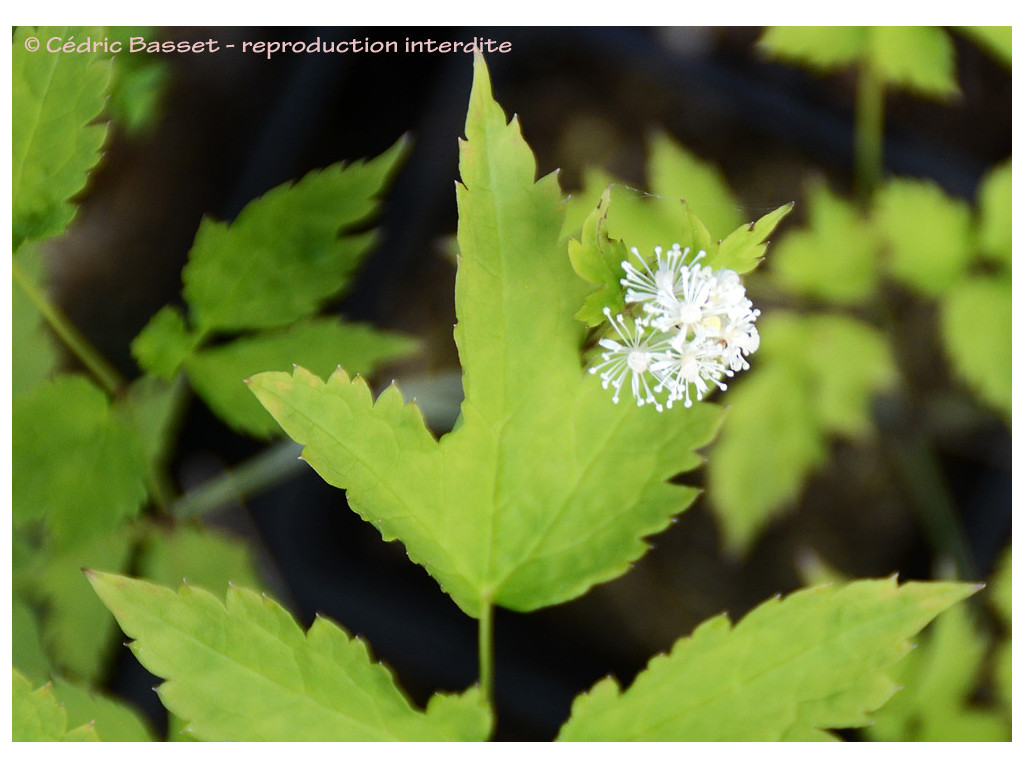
(486, 650)
(869, 131)
(104, 373)
(264, 470)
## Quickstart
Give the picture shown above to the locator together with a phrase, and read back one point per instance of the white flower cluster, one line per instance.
(692, 327)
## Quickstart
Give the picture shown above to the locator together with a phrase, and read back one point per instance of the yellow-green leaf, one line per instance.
(245, 671)
(56, 96)
(36, 715)
(791, 669)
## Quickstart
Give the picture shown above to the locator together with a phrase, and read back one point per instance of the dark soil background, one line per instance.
(234, 125)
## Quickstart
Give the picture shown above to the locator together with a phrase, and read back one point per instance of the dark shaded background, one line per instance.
(234, 125)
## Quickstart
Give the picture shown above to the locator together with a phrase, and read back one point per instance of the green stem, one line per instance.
(486, 644)
(869, 131)
(104, 373)
(263, 470)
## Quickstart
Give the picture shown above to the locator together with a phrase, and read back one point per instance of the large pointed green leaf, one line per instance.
(545, 487)
(287, 252)
(245, 671)
(790, 669)
(55, 97)
(36, 715)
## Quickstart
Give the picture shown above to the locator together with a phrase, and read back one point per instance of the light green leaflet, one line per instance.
(977, 328)
(245, 671)
(927, 234)
(77, 461)
(36, 715)
(545, 487)
(689, 203)
(834, 258)
(55, 97)
(266, 274)
(790, 669)
(916, 58)
(287, 252)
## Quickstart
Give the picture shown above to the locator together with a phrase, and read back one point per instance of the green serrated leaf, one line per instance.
(34, 354)
(916, 58)
(204, 558)
(937, 682)
(675, 172)
(744, 248)
(75, 462)
(813, 661)
(598, 260)
(218, 374)
(162, 346)
(545, 487)
(36, 715)
(289, 251)
(246, 671)
(55, 97)
(976, 322)
(834, 257)
(926, 232)
(113, 720)
(995, 214)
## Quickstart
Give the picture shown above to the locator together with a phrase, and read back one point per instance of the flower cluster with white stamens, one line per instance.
(686, 328)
